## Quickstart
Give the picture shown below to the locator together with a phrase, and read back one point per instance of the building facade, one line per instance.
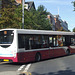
(57, 22)
(64, 24)
(51, 21)
(19, 1)
(60, 24)
(28, 5)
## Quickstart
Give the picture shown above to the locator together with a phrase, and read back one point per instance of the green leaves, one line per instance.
(74, 29)
(74, 4)
(37, 19)
(11, 17)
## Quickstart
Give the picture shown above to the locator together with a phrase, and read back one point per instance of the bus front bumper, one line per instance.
(8, 59)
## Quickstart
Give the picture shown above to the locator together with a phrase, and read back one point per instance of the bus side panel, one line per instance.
(59, 52)
(30, 56)
(51, 53)
(72, 49)
(45, 54)
(26, 56)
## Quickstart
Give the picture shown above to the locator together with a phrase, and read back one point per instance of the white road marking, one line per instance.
(27, 67)
(25, 70)
(21, 67)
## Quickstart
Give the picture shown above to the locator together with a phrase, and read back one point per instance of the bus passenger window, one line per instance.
(72, 41)
(33, 42)
(45, 41)
(60, 40)
(64, 41)
(26, 43)
(36, 42)
(21, 41)
(50, 41)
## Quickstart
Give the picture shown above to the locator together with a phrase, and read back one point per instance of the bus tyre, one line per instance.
(38, 57)
(68, 52)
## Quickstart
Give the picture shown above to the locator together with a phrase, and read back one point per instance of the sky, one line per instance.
(65, 8)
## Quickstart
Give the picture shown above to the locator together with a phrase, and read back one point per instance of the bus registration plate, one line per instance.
(6, 60)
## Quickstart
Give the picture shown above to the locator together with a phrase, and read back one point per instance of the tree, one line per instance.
(42, 20)
(9, 16)
(74, 29)
(37, 19)
(5, 3)
(74, 4)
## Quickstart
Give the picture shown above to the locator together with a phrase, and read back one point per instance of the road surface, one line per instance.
(56, 66)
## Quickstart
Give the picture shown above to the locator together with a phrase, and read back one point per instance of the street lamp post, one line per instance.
(23, 14)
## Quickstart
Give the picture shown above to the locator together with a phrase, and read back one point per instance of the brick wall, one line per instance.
(19, 1)
(57, 24)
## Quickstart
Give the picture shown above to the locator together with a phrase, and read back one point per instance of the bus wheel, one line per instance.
(68, 52)
(38, 57)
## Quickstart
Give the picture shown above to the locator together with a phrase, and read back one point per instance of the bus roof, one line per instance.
(44, 32)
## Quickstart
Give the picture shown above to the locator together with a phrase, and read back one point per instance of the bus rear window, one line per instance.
(6, 37)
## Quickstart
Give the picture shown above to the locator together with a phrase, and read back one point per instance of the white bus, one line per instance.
(25, 45)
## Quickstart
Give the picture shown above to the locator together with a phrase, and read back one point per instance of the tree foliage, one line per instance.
(74, 4)
(74, 29)
(37, 19)
(11, 17)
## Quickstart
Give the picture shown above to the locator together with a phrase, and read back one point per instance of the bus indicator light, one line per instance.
(6, 60)
(5, 32)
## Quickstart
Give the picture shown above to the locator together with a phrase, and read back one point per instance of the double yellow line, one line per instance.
(26, 73)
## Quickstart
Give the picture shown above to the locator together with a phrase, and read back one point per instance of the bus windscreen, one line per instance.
(6, 37)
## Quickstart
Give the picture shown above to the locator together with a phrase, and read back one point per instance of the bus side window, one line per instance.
(21, 41)
(45, 41)
(72, 41)
(50, 41)
(26, 43)
(36, 42)
(33, 42)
